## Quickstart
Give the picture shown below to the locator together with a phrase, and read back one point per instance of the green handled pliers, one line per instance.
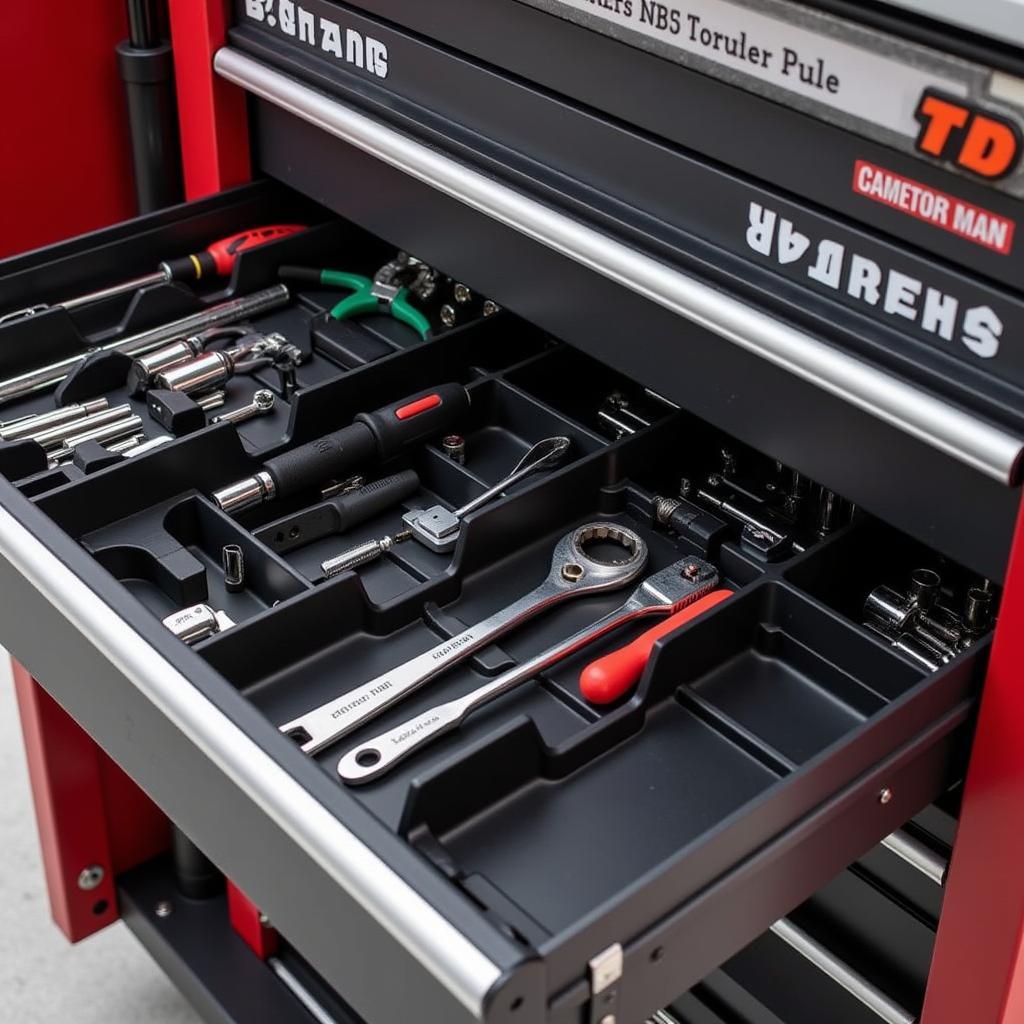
(383, 294)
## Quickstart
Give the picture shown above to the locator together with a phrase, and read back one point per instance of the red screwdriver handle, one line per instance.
(609, 677)
(218, 258)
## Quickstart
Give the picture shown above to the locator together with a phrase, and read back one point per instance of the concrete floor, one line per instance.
(108, 978)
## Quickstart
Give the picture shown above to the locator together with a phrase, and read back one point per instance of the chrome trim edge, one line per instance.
(445, 952)
(979, 444)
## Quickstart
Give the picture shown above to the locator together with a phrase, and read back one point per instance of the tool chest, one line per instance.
(787, 404)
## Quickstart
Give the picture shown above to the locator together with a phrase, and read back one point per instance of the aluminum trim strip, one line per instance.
(982, 445)
(445, 952)
(1000, 19)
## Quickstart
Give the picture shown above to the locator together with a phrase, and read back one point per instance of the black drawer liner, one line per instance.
(555, 817)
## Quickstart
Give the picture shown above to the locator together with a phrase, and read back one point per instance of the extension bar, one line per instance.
(976, 442)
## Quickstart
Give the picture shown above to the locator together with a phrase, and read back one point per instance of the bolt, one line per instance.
(490, 308)
(448, 315)
(264, 920)
(164, 908)
(462, 293)
(691, 570)
(885, 796)
(572, 572)
(90, 877)
(685, 486)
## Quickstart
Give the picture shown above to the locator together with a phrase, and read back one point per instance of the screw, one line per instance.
(885, 796)
(90, 877)
(264, 920)
(572, 572)
(448, 315)
(164, 908)
(490, 308)
(462, 293)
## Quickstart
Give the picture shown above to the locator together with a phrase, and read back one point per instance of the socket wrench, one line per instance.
(574, 573)
(664, 593)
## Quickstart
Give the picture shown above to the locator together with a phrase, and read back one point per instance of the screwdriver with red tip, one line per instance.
(216, 260)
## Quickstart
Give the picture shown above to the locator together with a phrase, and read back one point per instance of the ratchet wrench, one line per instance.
(664, 593)
(574, 573)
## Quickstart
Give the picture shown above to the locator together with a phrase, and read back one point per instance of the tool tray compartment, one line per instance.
(741, 772)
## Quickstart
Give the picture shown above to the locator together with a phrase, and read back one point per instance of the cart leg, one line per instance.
(93, 821)
(977, 971)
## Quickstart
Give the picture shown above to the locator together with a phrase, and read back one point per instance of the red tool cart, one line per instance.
(706, 314)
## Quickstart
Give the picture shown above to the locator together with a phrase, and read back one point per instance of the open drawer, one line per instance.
(551, 859)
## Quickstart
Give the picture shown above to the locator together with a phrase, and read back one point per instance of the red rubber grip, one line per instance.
(609, 677)
(225, 251)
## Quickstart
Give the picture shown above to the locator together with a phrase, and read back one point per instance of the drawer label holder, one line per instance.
(932, 105)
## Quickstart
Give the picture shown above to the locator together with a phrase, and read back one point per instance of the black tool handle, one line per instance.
(338, 514)
(374, 437)
(416, 418)
(333, 455)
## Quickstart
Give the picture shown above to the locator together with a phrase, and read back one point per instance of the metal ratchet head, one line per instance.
(664, 593)
(577, 569)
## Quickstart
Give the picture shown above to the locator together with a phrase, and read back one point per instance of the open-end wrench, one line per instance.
(664, 593)
(574, 573)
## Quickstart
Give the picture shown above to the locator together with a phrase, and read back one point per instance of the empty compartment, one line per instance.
(791, 674)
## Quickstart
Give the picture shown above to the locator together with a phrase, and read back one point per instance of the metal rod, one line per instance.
(955, 432)
(842, 974)
(145, 341)
(297, 989)
(54, 437)
(28, 426)
(917, 855)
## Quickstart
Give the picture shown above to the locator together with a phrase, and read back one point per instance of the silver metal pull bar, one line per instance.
(978, 443)
(917, 855)
(842, 974)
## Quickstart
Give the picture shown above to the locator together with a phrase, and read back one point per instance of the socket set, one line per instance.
(472, 582)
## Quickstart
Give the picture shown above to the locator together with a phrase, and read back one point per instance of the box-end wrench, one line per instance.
(664, 593)
(574, 573)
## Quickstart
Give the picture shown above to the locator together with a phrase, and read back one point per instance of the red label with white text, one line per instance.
(958, 217)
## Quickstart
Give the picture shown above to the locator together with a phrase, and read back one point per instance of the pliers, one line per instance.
(387, 293)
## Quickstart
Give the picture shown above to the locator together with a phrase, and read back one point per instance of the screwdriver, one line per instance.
(216, 260)
(614, 674)
(374, 436)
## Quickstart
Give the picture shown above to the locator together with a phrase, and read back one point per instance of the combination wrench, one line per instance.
(574, 573)
(664, 593)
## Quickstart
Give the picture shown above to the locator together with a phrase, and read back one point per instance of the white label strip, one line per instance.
(848, 78)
